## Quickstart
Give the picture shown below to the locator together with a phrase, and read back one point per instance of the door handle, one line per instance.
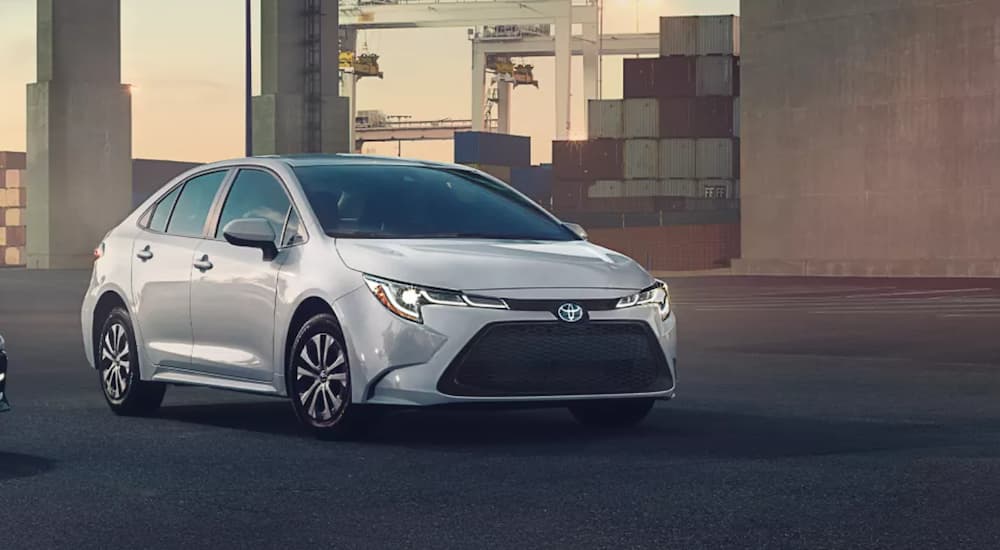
(203, 264)
(144, 254)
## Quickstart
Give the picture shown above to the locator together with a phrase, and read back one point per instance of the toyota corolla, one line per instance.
(347, 282)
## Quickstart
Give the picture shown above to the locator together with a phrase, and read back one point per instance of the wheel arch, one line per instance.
(108, 300)
(307, 309)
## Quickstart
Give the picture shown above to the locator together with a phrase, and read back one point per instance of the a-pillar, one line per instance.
(563, 64)
(280, 111)
(79, 161)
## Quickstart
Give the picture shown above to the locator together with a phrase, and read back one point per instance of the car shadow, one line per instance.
(669, 430)
(15, 465)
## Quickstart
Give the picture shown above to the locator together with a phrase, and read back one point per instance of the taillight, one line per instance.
(98, 252)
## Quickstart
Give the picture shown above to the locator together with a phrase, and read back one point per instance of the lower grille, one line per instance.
(556, 358)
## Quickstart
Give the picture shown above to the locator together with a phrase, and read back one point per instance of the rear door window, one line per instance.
(161, 212)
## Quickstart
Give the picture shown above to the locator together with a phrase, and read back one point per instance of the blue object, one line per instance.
(534, 181)
(491, 148)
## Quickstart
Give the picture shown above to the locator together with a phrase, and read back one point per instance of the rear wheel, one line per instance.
(318, 376)
(118, 365)
(612, 413)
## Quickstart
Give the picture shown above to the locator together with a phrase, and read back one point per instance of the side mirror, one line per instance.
(252, 233)
(577, 229)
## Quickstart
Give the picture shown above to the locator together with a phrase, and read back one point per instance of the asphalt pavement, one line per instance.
(811, 413)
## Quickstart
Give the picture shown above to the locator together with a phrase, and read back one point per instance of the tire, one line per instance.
(319, 384)
(117, 359)
(612, 413)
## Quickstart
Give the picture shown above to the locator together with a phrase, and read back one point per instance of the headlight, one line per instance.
(658, 294)
(406, 300)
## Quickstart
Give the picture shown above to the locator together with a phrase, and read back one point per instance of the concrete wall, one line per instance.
(871, 137)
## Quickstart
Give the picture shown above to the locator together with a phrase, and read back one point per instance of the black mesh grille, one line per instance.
(556, 358)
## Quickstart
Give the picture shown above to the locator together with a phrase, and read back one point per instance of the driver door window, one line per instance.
(255, 194)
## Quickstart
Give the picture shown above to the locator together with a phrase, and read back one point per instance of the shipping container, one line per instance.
(12, 178)
(619, 204)
(736, 116)
(12, 216)
(605, 118)
(13, 256)
(567, 194)
(492, 149)
(699, 217)
(711, 204)
(715, 158)
(642, 188)
(715, 75)
(606, 188)
(677, 158)
(679, 35)
(674, 77)
(668, 204)
(14, 197)
(641, 219)
(679, 188)
(587, 160)
(641, 158)
(534, 181)
(594, 220)
(642, 118)
(715, 189)
(712, 117)
(719, 35)
(501, 173)
(639, 79)
(677, 117)
(13, 160)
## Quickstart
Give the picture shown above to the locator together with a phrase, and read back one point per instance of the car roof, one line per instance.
(298, 160)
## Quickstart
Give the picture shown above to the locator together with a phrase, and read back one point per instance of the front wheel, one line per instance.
(612, 413)
(318, 376)
(117, 361)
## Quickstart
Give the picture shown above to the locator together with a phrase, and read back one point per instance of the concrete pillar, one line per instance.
(503, 106)
(279, 113)
(591, 63)
(478, 89)
(349, 88)
(563, 65)
(79, 161)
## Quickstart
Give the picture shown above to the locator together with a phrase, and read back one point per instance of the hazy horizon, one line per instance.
(188, 103)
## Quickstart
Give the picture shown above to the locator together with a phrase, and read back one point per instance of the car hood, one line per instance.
(474, 264)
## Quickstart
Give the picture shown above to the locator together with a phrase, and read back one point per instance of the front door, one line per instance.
(233, 289)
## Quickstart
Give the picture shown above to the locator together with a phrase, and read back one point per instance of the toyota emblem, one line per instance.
(570, 313)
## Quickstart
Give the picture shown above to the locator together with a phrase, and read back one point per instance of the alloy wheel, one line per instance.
(115, 362)
(322, 381)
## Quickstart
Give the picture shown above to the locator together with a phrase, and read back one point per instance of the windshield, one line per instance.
(417, 202)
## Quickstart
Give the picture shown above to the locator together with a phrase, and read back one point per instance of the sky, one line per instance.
(188, 75)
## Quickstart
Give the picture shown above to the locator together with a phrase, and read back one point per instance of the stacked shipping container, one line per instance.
(13, 199)
(668, 153)
(507, 158)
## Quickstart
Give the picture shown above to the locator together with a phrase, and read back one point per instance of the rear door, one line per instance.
(233, 290)
(162, 260)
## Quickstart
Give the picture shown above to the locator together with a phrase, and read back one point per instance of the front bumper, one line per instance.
(398, 362)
